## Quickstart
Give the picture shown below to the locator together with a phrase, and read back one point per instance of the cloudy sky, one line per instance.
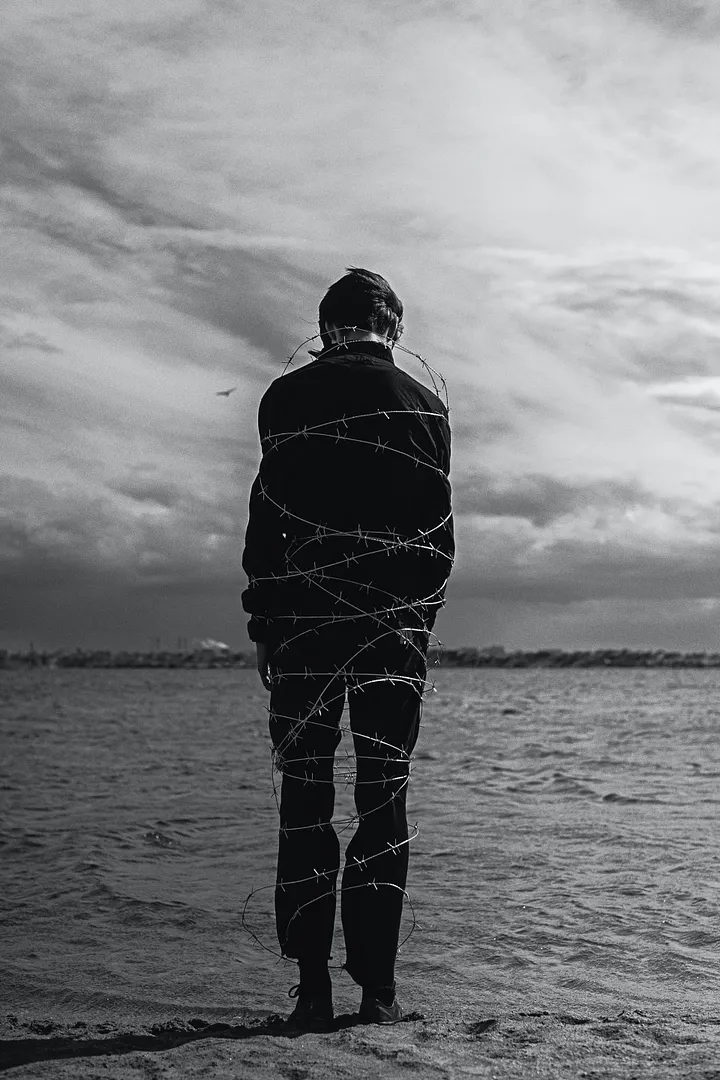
(538, 179)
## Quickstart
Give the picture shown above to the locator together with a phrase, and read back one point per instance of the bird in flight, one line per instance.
(225, 393)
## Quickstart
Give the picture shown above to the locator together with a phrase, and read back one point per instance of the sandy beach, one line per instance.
(429, 1045)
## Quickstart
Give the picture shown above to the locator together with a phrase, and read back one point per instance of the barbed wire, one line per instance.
(438, 381)
(300, 741)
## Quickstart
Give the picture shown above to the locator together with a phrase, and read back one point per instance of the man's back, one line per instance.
(354, 480)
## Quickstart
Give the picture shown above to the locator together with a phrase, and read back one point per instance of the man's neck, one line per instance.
(345, 336)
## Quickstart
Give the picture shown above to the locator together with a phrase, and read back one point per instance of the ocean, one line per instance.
(567, 854)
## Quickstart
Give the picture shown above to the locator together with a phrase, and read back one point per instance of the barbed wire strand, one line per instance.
(385, 616)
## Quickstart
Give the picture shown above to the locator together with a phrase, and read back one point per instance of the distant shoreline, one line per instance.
(492, 657)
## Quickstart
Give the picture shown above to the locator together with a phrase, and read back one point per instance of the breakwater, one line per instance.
(498, 657)
(469, 656)
(104, 658)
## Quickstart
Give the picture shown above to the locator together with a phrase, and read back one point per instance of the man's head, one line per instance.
(360, 305)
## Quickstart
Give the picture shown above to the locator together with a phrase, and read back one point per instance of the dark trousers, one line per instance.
(383, 681)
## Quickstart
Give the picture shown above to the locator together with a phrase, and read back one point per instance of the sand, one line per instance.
(482, 1044)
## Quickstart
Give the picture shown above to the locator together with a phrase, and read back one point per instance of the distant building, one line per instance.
(208, 648)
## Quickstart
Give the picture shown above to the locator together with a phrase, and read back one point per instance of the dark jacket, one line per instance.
(350, 513)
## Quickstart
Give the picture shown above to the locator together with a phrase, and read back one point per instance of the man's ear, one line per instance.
(394, 330)
(331, 334)
(325, 337)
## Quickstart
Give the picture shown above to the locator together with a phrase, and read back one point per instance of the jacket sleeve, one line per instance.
(265, 544)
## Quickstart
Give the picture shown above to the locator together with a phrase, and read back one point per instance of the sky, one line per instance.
(539, 180)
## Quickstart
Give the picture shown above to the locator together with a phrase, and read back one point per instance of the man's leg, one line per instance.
(385, 702)
(305, 710)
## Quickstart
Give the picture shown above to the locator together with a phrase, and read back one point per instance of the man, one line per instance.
(348, 548)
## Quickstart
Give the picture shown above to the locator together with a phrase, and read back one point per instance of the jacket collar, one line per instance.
(358, 348)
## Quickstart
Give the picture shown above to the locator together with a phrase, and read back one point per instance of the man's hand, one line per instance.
(264, 656)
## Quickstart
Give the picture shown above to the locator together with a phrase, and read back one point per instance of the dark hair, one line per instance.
(364, 300)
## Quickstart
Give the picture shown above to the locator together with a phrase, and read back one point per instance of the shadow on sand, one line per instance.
(14, 1052)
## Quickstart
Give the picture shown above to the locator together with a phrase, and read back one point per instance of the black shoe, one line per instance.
(313, 1012)
(375, 1011)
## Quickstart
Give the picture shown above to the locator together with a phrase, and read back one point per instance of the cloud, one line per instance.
(592, 555)
(682, 17)
(149, 537)
(144, 489)
(182, 181)
(615, 622)
(540, 499)
(696, 391)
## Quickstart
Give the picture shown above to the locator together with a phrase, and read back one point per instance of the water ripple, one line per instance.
(568, 847)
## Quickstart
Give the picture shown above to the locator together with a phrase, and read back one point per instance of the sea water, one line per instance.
(567, 855)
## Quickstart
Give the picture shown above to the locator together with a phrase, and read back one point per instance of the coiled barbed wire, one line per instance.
(386, 614)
